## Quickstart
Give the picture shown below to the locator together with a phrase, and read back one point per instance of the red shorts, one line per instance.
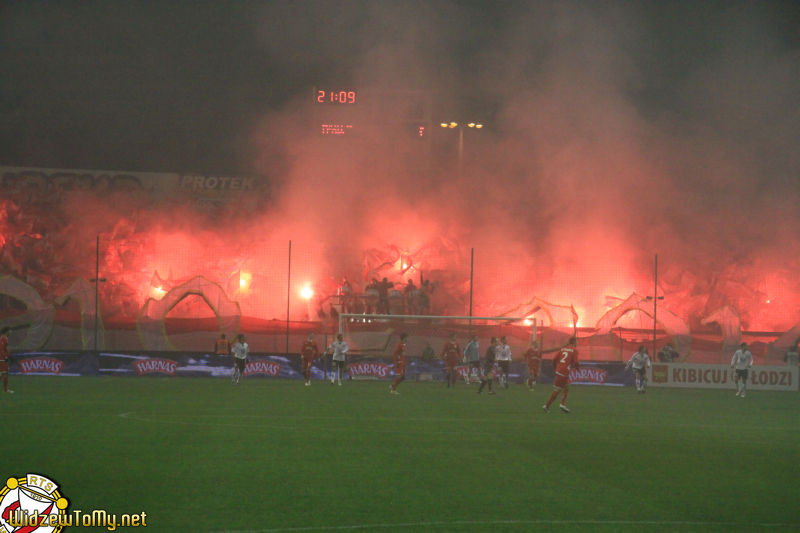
(561, 382)
(533, 370)
(307, 363)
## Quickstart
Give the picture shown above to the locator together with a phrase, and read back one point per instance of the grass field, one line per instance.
(270, 455)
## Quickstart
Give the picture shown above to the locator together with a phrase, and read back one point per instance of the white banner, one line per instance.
(160, 186)
(777, 378)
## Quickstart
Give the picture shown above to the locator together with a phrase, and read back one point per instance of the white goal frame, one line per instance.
(361, 316)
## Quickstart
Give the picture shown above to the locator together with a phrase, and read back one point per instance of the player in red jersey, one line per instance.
(564, 360)
(533, 356)
(308, 353)
(399, 363)
(451, 353)
(5, 355)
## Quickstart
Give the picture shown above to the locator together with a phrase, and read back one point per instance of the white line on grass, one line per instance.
(266, 423)
(437, 524)
(534, 415)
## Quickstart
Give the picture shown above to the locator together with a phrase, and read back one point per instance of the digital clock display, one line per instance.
(335, 96)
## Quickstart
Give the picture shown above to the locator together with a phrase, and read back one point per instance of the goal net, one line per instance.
(370, 337)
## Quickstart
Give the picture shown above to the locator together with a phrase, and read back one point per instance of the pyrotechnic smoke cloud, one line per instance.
(619, 131)
(614, 131)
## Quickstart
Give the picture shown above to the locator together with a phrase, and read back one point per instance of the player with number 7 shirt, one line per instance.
(565, 360)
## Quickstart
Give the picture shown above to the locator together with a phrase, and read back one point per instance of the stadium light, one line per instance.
(453, 125)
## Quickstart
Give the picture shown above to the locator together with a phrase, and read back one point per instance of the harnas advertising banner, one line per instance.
(279, 366)
(777, 378)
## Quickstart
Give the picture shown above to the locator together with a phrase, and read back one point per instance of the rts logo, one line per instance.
(31, 503)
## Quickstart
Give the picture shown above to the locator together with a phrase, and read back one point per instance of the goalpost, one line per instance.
(345, 318)
(373, 333)
(373, 337)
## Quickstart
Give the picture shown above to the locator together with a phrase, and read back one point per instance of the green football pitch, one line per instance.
(272, 455)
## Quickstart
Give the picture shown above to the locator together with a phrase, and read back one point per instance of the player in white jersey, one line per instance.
(503, 359)
(240, 350)
(640, 361)
(742, 361)
(339, 350)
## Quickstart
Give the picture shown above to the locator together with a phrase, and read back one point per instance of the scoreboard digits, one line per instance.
(340, 96)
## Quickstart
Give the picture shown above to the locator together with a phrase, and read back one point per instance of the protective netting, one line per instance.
(37, 319)
(377, 335)
(60, 228)
(152, 325)
(92, 330)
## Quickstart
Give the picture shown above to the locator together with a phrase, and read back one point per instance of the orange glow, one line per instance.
(581, 312)
(307, 292)
(244, 280)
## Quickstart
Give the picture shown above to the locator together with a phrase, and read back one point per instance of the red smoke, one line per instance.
(594, 158)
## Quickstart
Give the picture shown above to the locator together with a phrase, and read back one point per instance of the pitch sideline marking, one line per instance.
(273, 424)
(154, 419)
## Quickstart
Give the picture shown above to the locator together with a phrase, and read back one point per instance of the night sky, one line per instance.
(180, 86)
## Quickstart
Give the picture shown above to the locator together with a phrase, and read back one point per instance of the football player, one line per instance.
(564, 361)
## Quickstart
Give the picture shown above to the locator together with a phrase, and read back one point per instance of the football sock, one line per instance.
(552, 398)
(564, 396)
